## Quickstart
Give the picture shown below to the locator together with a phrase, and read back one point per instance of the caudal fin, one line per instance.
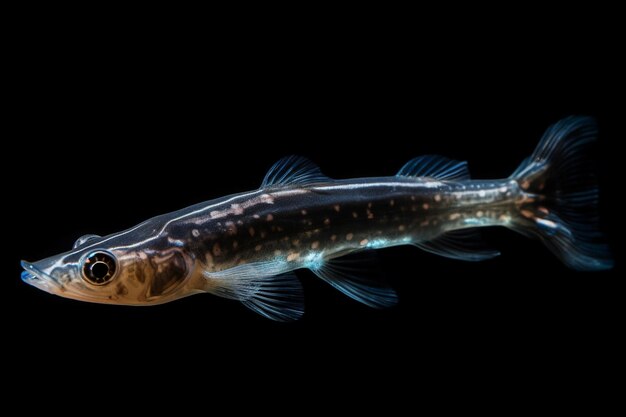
(560, 196)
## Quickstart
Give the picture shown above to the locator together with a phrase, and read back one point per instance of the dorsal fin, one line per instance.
(293, 170)
(436, 167)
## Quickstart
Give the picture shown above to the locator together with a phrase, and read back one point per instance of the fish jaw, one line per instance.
(38, 279)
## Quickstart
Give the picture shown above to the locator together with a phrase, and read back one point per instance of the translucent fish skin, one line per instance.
(244, 246)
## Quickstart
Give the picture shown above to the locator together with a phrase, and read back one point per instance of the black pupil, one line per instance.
(99, 268)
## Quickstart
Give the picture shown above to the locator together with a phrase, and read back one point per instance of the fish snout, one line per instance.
(37, 278)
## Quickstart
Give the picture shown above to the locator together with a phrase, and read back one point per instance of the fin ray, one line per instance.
(293, 170)
(464, 244)
(263, 287)
(358, 276)
(563, 210)
(436, 167)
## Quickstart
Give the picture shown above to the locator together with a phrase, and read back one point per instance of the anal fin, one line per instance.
(464, 244)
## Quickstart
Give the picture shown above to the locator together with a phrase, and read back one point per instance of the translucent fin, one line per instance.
(293, 170)
(262, 288)
(436, 167)
(358, 276)
(561, 196)
(464, 244)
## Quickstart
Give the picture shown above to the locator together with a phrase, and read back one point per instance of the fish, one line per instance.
(247, 246)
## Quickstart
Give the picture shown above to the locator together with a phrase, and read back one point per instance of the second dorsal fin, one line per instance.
(293, 170)
(435, 167)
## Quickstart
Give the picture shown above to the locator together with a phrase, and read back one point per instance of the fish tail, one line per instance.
(559, 196)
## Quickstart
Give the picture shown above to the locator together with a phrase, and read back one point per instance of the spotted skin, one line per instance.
(338, 218)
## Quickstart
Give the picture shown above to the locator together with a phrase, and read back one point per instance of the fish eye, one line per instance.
(99, 268)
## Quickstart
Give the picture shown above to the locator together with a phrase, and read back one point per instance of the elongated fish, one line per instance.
(246, 246)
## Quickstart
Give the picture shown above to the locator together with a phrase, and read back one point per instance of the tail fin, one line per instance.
(560, 196)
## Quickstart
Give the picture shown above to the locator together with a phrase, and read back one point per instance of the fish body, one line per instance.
(246, 246)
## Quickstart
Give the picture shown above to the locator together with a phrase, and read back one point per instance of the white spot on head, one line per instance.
(425, 206)
(293, 256)
(195, 232)
(349, 236)
(315, 245)
(525, 185)
(337, 208)
(503, 189)
(296, 242)
(437, 197)
(327, 221)
(303, 212)
(175, 242)
(412, 198)
(333, 238)
(256, 216)
(392, 203)
(277, 252)
(369, 205)
(479, 213)
(236, 209)
(482, 193)
(258, 247)
(355, 214)
(269, 217)
(235, 244)
(401, 228)
(363, 242)
(370, 215)
(455, 216)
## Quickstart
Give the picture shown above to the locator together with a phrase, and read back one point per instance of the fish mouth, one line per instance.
(37, 278)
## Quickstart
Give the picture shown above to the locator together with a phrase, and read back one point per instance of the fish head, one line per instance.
(107, 270)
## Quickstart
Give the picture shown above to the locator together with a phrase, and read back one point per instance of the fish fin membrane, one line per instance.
(561, 195)
(293, 170)
(464, 244)
(359, 277)
(435, 167)
(262, 287)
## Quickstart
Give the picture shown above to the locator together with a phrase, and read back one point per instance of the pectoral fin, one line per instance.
(262, 287)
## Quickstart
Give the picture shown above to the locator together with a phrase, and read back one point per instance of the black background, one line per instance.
(108, 137)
